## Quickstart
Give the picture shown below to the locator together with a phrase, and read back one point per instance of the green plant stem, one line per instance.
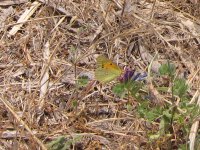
(173, 100)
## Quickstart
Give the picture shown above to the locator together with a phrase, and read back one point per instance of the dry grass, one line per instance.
(41, 59)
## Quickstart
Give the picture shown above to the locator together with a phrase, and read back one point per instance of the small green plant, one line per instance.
(180, 87)
(74, 104)
(82, 81)
(119, 90)
(167, 69)
(127, 88)
(56, 144)
(151, 114)
(178, 115)
(62, 143)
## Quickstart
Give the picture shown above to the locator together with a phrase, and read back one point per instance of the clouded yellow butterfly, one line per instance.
(106, 70)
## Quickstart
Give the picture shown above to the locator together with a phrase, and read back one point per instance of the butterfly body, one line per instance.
(106, 70)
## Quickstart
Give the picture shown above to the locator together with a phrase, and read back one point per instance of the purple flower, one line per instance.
(132, 75)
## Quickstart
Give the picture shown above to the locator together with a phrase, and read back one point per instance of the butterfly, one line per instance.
(106, 70)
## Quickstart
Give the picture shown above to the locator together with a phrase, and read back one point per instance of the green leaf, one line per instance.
(162, 89)
(61, 143)
(119, 89)
(167, 115)
(133, 87)
(167, 69)
(154, 136)
(180, 87)
(83, 81)
(56, 144)
(74, 103)
(165, 121)
(149, 113)
(183, 147)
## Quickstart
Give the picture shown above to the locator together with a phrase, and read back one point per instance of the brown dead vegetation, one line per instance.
(46, 45)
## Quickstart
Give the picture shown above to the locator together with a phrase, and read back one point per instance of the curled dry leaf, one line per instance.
(154, 95)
